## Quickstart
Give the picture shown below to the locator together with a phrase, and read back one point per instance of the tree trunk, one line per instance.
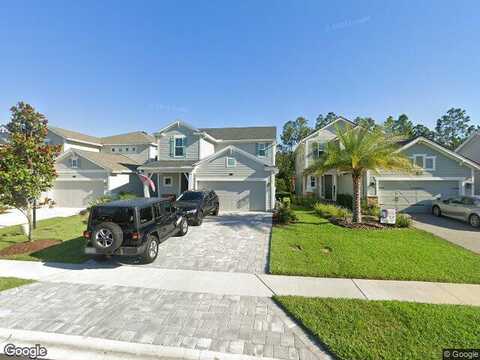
(30, 221)
(357, 207)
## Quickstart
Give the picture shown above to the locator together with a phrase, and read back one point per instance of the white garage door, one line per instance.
(76, 193)
(238, 195)
(414, 196)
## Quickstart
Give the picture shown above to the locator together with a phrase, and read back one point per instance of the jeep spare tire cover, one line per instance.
(107, 236)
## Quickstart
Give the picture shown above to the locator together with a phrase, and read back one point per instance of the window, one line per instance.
(146, 215)
(313, 181)
(261, 149)
(127, 149)
(74, 163)
(317, 150)
(117, 215)
(424, 162)
(120, 149)
(157, 211)
(167, 207)
(113, 149)
(167, 181)
(231, 162)
(179, 146)
(133, 149)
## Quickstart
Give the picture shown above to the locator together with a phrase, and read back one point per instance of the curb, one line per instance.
(74, 347)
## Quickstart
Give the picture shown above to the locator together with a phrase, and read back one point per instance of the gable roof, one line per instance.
(469, 139)
(168, 164)
(136, 137)
(240, 151)
(111, 162)
(75, 136)
(442, 149)
(243, 133)
(339, 118)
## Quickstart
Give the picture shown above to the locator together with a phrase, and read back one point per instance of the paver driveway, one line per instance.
(221, 323)
(231, 242)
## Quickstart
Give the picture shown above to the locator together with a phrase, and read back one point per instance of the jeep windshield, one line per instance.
(190, 196)
(117, 215)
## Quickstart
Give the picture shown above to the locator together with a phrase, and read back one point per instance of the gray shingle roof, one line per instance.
(242, 133)
(136, 137)
(113, 162)
(74, 135)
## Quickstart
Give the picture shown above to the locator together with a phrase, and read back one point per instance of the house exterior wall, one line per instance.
(471, 150)
(192, 146)
(251, 148)
(163, 190)
(83, 164)
(54, 139)
(245, 167)
(206, 148)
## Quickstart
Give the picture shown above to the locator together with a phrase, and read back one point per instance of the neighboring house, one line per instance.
(238, 163)
(442, 173)
(89, 166)
(471, 150)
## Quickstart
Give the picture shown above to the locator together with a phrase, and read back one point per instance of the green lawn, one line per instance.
(315, 247)
(11, 282)
(361, 329)
(69, 230)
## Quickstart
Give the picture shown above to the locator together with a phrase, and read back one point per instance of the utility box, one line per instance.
(388, 216)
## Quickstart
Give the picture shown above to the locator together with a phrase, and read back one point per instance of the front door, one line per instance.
(328, 186)
(183, 182)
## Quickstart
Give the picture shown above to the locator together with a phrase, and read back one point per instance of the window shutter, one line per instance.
(171, 146)
(78, 162)
(70, 162)
(185, 147)
(257, 149)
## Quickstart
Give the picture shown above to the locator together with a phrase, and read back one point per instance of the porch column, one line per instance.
(190, 181)
(272, 192)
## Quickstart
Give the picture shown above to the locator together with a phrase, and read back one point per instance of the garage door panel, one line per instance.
(238, 195)
(76, 193)
(414, 196)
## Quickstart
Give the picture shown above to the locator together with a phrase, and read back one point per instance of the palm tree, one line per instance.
(357, 150)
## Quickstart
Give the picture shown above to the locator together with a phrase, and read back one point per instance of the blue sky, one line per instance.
(109, 67)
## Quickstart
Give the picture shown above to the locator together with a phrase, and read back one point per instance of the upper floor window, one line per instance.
(231, 162)
(262, 149)
(179, 146)
(74, 163)
(317, 150)
(424, 162)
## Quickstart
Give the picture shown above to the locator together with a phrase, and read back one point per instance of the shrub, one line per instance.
(285, 214)
(403, 221)
(371, 210)
(281, 195)
(3, 209)
(345, 200)
(281, 185)
(126, 196)
(329, 210)
(305, 201)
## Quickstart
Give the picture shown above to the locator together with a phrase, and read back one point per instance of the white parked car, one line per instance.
(464, 208)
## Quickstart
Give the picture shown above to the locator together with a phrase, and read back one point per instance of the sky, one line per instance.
(108, 67)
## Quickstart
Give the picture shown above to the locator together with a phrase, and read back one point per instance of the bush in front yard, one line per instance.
(345, 200)
(403, 221)
(370, 209)
(329, 211)
(305, 201)
(284, 213)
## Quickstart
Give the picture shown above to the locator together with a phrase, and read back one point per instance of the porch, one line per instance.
(324, 186)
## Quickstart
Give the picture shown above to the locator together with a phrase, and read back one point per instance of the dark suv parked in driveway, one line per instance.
(132, 227)
(195, 205)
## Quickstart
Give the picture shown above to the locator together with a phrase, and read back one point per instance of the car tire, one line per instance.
(198, 219)
(107, 237)
(183, 228)
(474, 220)
(151, 250)
(216, 210)
(436, 211)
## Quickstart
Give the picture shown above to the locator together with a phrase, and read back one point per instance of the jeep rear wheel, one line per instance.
(107, 237)
(151, 250)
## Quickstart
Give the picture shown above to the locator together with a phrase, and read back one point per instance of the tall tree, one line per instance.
(285, 162)
(401, 126)
(422, 130)
(26, 163)
(366, 122)
(323, 121)
(358, 150)
(294, 131)
(453, 128)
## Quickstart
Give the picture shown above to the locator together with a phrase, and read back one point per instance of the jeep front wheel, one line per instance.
(151, 251)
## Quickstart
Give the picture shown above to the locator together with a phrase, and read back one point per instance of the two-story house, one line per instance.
(471, 150)
(441, 173)
(238, 163)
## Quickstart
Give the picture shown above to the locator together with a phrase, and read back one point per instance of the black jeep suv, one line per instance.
(132, 227)
(197, 204)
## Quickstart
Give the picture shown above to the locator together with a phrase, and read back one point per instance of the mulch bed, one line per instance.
(28, 247)
(366, 224)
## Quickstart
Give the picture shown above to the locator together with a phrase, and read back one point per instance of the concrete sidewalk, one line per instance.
(259, 285)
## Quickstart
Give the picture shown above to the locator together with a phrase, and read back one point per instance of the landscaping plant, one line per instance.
(27, 164)
(403, 221)
(357, 150)
(329, 210)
